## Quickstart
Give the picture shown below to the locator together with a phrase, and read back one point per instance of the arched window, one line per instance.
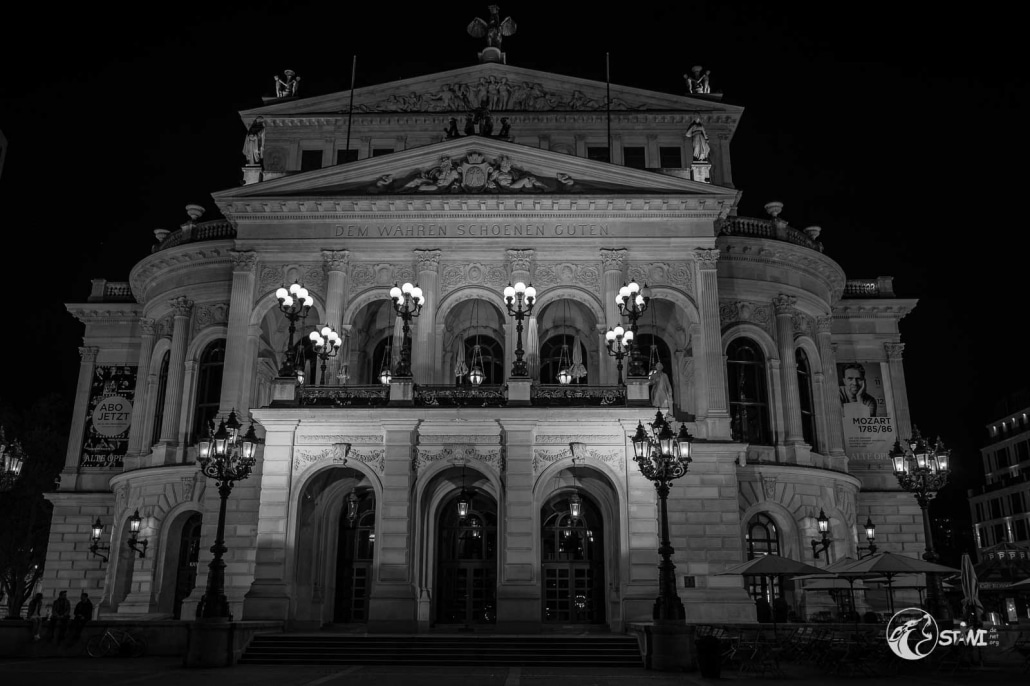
(551, 360)
(492, 355)
(209, 387)
(749, 404)
(762, 538)
(159, 397)
(805, 395)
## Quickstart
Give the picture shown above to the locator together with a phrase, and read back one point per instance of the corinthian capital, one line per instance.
(520, 260)
(894, 350)
(181, 306)
(784, 304)
(88, 353)
(824, 324)
(612, 259)
(335, 260)
(706, 257)
(243, 260)
(428, 260)
(147, 326)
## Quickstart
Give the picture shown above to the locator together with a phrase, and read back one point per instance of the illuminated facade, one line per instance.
(350, 515)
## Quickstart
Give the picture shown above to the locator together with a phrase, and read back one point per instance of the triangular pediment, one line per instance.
(475, 165)
(500, 87)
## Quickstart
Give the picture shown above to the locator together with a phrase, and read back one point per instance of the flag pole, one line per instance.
(350, 109)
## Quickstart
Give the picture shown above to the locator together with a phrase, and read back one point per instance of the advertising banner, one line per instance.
(869, 432)
(108, 417)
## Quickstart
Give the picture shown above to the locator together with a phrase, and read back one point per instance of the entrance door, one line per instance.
(189, 556)
(467, 563)
(573, 563)
(354, 555)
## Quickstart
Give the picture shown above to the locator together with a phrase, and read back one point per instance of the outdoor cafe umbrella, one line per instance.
(771, 566)
(890, 565)
(835, 571)
(970, 589)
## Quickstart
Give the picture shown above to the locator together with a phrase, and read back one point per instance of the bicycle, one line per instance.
(116, 642)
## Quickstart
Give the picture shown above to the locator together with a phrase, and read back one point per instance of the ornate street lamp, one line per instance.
(822, 544)
(870, 536)
(633, 301)
(407, 302)
(923, 470)
(96, 531)
(326, 343)
(619, 343)
(134, 543)
(12, 459)
(227, 456)
(294, 303)
(520, 299)
(664, 456)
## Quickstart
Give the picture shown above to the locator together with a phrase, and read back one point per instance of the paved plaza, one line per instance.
(168, 671)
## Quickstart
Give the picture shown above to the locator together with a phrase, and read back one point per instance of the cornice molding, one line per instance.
(770, 252)
(174, 260)
(92, 313)
(880, 308)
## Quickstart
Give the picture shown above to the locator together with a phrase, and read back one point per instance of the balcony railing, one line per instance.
(577, 396)
(431, 395)
(214, 230)
(344, 396)
(460, 396)
(777, 230)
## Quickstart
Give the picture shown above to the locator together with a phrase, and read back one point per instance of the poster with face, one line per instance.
(108, 417)
(869, 432)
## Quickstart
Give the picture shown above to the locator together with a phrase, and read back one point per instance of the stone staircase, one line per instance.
(590, 650)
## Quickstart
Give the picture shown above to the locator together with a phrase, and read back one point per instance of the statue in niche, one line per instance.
(254, 144)
(697, 82)
(699, 139)
(452, 128)
(287, 88)
(494, 30)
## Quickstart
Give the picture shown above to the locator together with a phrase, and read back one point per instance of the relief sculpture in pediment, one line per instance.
(473, 173)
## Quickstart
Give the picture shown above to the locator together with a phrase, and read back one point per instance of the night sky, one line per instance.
(902, 133)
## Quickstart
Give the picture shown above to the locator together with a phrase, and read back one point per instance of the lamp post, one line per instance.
(822, 544)
(870, 536)
(227, 456)
(12, 459)
(134, 543)
(663, 456)
(923, 470)
(326, 343)
(633, 301)
(407, 303)
(619, 343)
(520, 299)
(294, 303)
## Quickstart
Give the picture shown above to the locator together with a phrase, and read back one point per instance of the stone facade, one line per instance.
(198, 331)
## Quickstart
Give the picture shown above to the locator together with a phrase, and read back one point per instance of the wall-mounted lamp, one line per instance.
(870, 536)
(134, 543)
(822, 544)
(94, 540)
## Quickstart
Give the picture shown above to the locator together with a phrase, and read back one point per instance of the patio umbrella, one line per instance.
(890, 565)
(532, 348)
(970, 589)
(835, 571)
(460, 368)
(578, 371)
(771, 566)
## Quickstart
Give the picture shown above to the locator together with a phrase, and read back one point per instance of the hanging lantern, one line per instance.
(564, 376)
(463, 504)
(575, 506)
(476, 376)
(564, 365)
(385, 376)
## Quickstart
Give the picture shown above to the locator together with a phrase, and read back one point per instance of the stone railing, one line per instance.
(460, 396)
(103, 290)
(214, 230)
(371, 395)
(772, 229)
(880, 287)
(577, 396)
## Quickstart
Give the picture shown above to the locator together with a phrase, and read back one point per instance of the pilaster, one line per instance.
(520, 266)
(241, 303)
(87, 361)
(899, 390)
(784, 306)
(518, 594)
(834, 435)
(612, 262)
(716, 410)
(171, 428)
(138, 427)
(424, 364)
(336, 264)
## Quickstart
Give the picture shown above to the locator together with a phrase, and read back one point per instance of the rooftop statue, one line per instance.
(697, 82)
(494, 30)
(287, 88)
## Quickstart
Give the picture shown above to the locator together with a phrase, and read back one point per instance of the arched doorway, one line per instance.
(189, 557)
(572, 562)
(467, 562)
(354, 554)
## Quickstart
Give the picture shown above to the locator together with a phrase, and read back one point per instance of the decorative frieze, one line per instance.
(745, 311)
(272, 276)
(566, 439)
(563, 273)
(340, 454)
(678, 274)
(492, 275)
(368, 275)
(613, 457)
(209, 315)
(340, 438)
(802, 323)
(459, 454)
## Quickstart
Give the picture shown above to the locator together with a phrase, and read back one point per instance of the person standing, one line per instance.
(62, 612)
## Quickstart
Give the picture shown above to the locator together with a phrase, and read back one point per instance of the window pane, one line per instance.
(310, 159)
(376, 152)
(344, 156)
(671, 158)
(634, 157)
(598, 153)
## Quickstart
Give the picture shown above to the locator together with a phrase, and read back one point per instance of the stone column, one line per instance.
(241, 303)
(268, 597)
(247, 398)
(724, 169)
(611, 280)
(520, 265)
(424, 365)
(140, 397)
(337, 266)
(831, 392)
(653, 155)
(87, 357)
(171, 428)
(899, 391)
(716, 414)
(784, 306)
(518, 593)
(393, 605)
